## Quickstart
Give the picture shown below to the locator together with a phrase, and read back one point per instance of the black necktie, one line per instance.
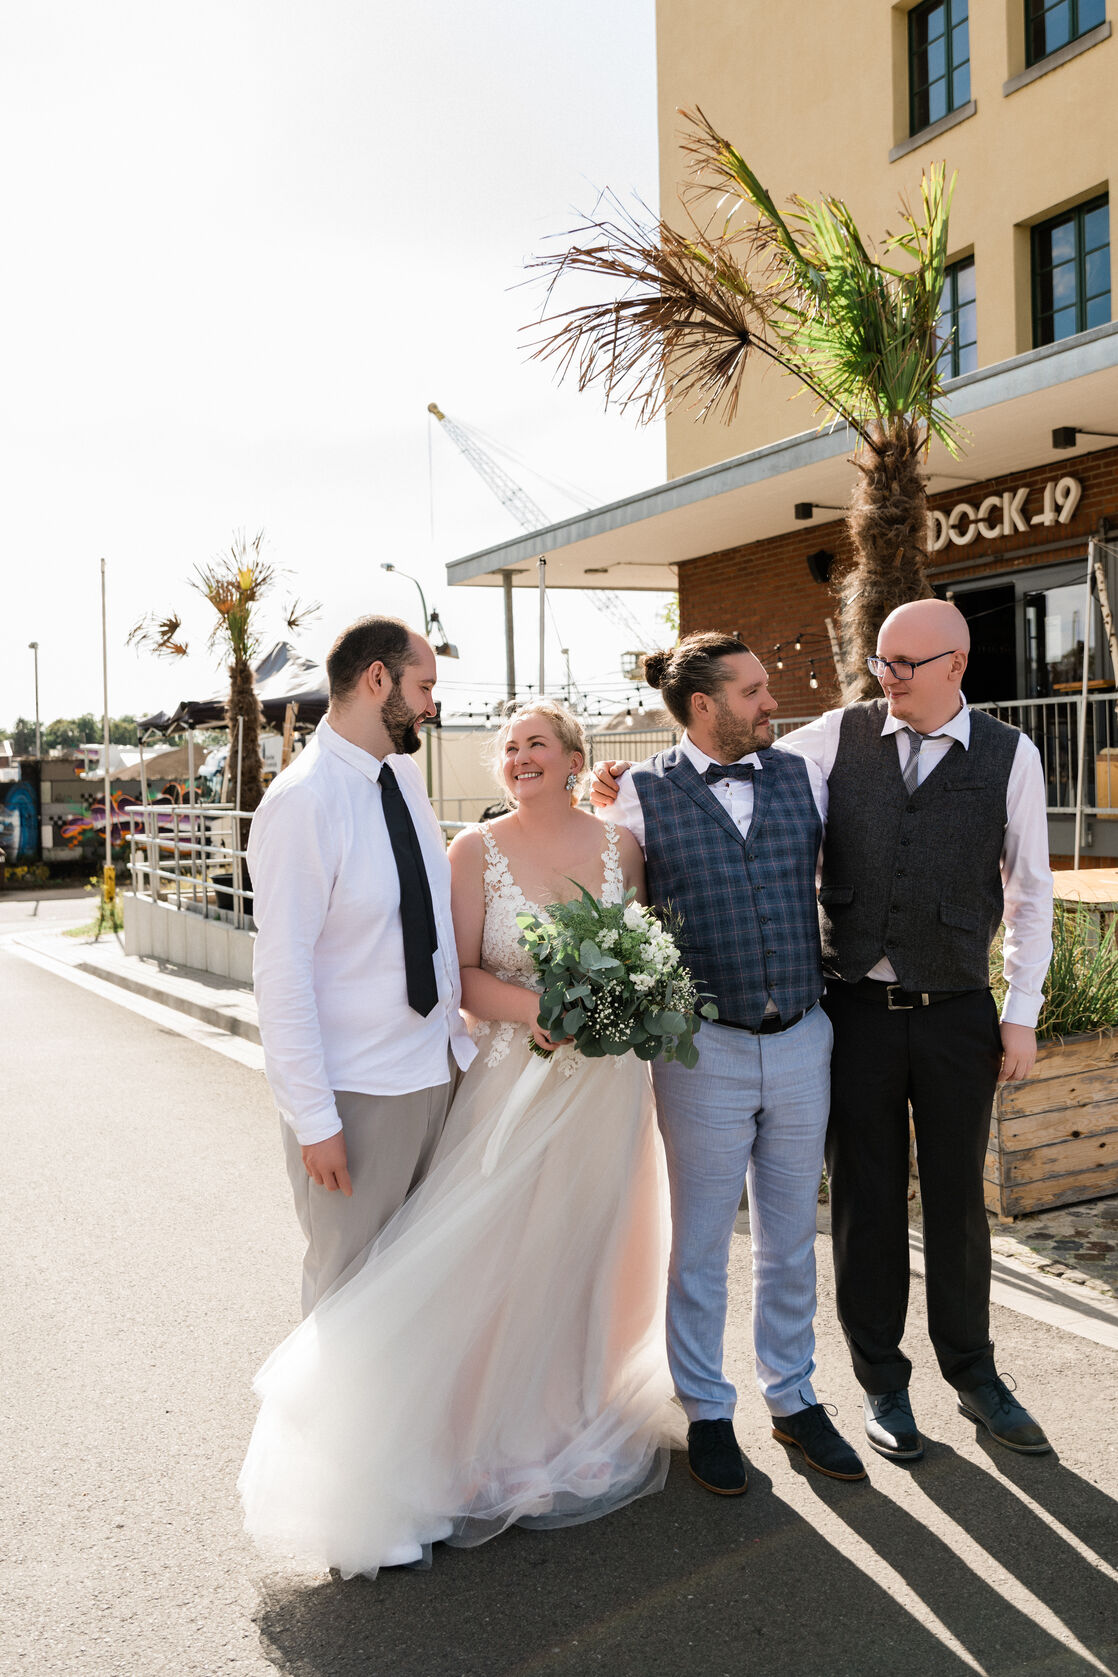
(728, 771)
(416, 911)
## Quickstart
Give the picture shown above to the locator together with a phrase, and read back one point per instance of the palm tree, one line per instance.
(233, 583)
(697, 305)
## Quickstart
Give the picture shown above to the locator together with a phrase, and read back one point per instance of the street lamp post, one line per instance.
(33, 646)
(443, 649)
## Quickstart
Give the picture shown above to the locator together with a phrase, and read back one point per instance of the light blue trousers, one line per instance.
(754, 1110)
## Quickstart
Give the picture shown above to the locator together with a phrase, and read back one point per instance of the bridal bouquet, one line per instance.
(612, 980)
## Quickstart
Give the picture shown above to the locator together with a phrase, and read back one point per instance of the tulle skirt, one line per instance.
(498, 1354)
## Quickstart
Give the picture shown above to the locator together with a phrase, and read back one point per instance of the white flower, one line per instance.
(608, 940)
(634, 917)
(641, 981)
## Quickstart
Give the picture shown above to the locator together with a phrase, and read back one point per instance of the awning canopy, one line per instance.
(1010, 410)
(283, 677)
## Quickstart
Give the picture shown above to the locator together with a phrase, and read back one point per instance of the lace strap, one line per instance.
(497, 875)
(613, 883)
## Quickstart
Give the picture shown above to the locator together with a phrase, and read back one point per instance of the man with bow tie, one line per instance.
(731, 832)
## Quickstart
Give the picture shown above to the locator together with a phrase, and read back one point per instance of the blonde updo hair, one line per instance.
(568, 731)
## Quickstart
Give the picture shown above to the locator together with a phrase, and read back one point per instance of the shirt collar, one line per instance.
(363, 761)
(957, 729)
(701, 762)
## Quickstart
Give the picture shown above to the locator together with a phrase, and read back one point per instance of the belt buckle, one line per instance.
(894, 1006)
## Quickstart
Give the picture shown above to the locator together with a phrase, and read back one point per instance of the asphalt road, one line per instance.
(151, 1262)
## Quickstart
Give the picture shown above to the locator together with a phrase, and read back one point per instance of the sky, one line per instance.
(247, 242)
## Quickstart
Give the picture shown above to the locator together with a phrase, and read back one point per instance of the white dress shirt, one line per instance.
(736, 795)
(328, 966)
(1026, 875)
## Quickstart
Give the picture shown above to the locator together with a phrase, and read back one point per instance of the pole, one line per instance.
(144, 807)
(238, 900)
(1079, 779)
(193, 814)
(108, 888)
(510, 638)
(541, 564)
(34, 646)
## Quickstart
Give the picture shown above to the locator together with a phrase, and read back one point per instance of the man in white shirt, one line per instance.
(355, 968)
(937, 832)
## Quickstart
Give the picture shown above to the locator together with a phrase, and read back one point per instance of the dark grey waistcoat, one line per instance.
(915, 878)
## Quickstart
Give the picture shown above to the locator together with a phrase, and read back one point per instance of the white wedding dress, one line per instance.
(498, 1354)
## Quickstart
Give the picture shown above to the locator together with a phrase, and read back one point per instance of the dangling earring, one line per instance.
(572, 781)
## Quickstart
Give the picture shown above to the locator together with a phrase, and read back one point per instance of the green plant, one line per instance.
(233, 584)
(1081, 990)
(693, 306)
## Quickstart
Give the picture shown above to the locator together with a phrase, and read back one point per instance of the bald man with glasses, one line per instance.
(937, 832)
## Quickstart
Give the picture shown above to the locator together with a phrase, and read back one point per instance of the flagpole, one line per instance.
(108, 890)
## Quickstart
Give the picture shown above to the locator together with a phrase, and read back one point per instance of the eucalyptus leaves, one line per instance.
(612, 980)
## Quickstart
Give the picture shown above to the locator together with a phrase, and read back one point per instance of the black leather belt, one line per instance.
(770, 1025)
(899, 1000)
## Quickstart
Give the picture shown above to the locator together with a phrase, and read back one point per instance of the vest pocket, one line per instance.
(966, 919)
(832, 896)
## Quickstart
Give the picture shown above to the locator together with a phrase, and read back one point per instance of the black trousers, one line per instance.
(944, 1059)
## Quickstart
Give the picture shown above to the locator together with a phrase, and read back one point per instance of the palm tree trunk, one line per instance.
(888, 524)
(243, 703)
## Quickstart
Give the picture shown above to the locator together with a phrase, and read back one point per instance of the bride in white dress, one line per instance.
(497, 1355)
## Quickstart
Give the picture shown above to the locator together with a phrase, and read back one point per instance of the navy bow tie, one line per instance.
(728, 771)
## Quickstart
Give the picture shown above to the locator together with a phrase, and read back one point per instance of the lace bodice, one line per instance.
(501, 953)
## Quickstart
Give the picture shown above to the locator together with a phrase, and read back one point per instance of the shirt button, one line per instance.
(770, 951)
(899, 874)
(906, 841)
(758, 887)
(765, 919)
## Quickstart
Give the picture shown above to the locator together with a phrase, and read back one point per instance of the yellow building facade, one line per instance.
(818, 99)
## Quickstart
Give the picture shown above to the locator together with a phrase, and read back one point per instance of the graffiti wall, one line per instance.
(20, 832)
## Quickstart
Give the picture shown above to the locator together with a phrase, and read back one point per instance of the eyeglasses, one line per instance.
(903, 669)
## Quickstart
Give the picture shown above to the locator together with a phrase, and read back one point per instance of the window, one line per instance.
(1050, 24)
(1071, 272)
(957, 329)
(938, 60)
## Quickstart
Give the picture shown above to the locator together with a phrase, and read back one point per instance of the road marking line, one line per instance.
(237, 1048)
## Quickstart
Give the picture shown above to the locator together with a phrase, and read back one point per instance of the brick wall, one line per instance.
(762, 590)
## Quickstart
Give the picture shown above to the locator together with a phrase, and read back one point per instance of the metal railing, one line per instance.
(187, 855)
(1054, 727)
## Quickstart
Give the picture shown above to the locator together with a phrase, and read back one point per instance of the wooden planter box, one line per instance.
(1054, 1137)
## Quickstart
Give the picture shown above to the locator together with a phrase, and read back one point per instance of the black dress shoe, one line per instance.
(824, 1448)
(890, 1426)
(993, 1405)
(715, 1459)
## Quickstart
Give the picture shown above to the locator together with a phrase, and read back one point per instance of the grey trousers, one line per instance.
(389, 1141)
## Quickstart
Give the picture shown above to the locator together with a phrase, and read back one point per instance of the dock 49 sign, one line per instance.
(1004, 514)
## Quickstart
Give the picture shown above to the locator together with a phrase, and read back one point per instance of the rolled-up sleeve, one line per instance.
(292, 860)
(1027, 886)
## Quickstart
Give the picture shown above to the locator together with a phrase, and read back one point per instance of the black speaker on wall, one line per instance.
(819, 564)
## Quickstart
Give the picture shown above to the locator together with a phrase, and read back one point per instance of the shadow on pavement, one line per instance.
(994, 1631)
(1037, 1554)
(676, 1583)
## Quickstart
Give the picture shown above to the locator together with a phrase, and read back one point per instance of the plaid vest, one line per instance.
(746, 900)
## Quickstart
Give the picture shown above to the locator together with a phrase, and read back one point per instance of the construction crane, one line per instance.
(531, 517)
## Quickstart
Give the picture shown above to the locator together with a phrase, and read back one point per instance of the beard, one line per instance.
(736, 738)
(399, 722)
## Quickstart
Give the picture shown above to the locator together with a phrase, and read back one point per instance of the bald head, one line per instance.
(933, 636)
(927, 621)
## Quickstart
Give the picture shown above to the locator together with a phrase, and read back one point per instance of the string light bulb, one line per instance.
(811, 680)
(779, 659)
(799, 640)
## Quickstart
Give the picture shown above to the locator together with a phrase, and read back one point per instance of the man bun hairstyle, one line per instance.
(371, 640)
(694, 666)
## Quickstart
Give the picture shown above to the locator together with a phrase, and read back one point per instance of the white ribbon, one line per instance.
(521, 1096)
